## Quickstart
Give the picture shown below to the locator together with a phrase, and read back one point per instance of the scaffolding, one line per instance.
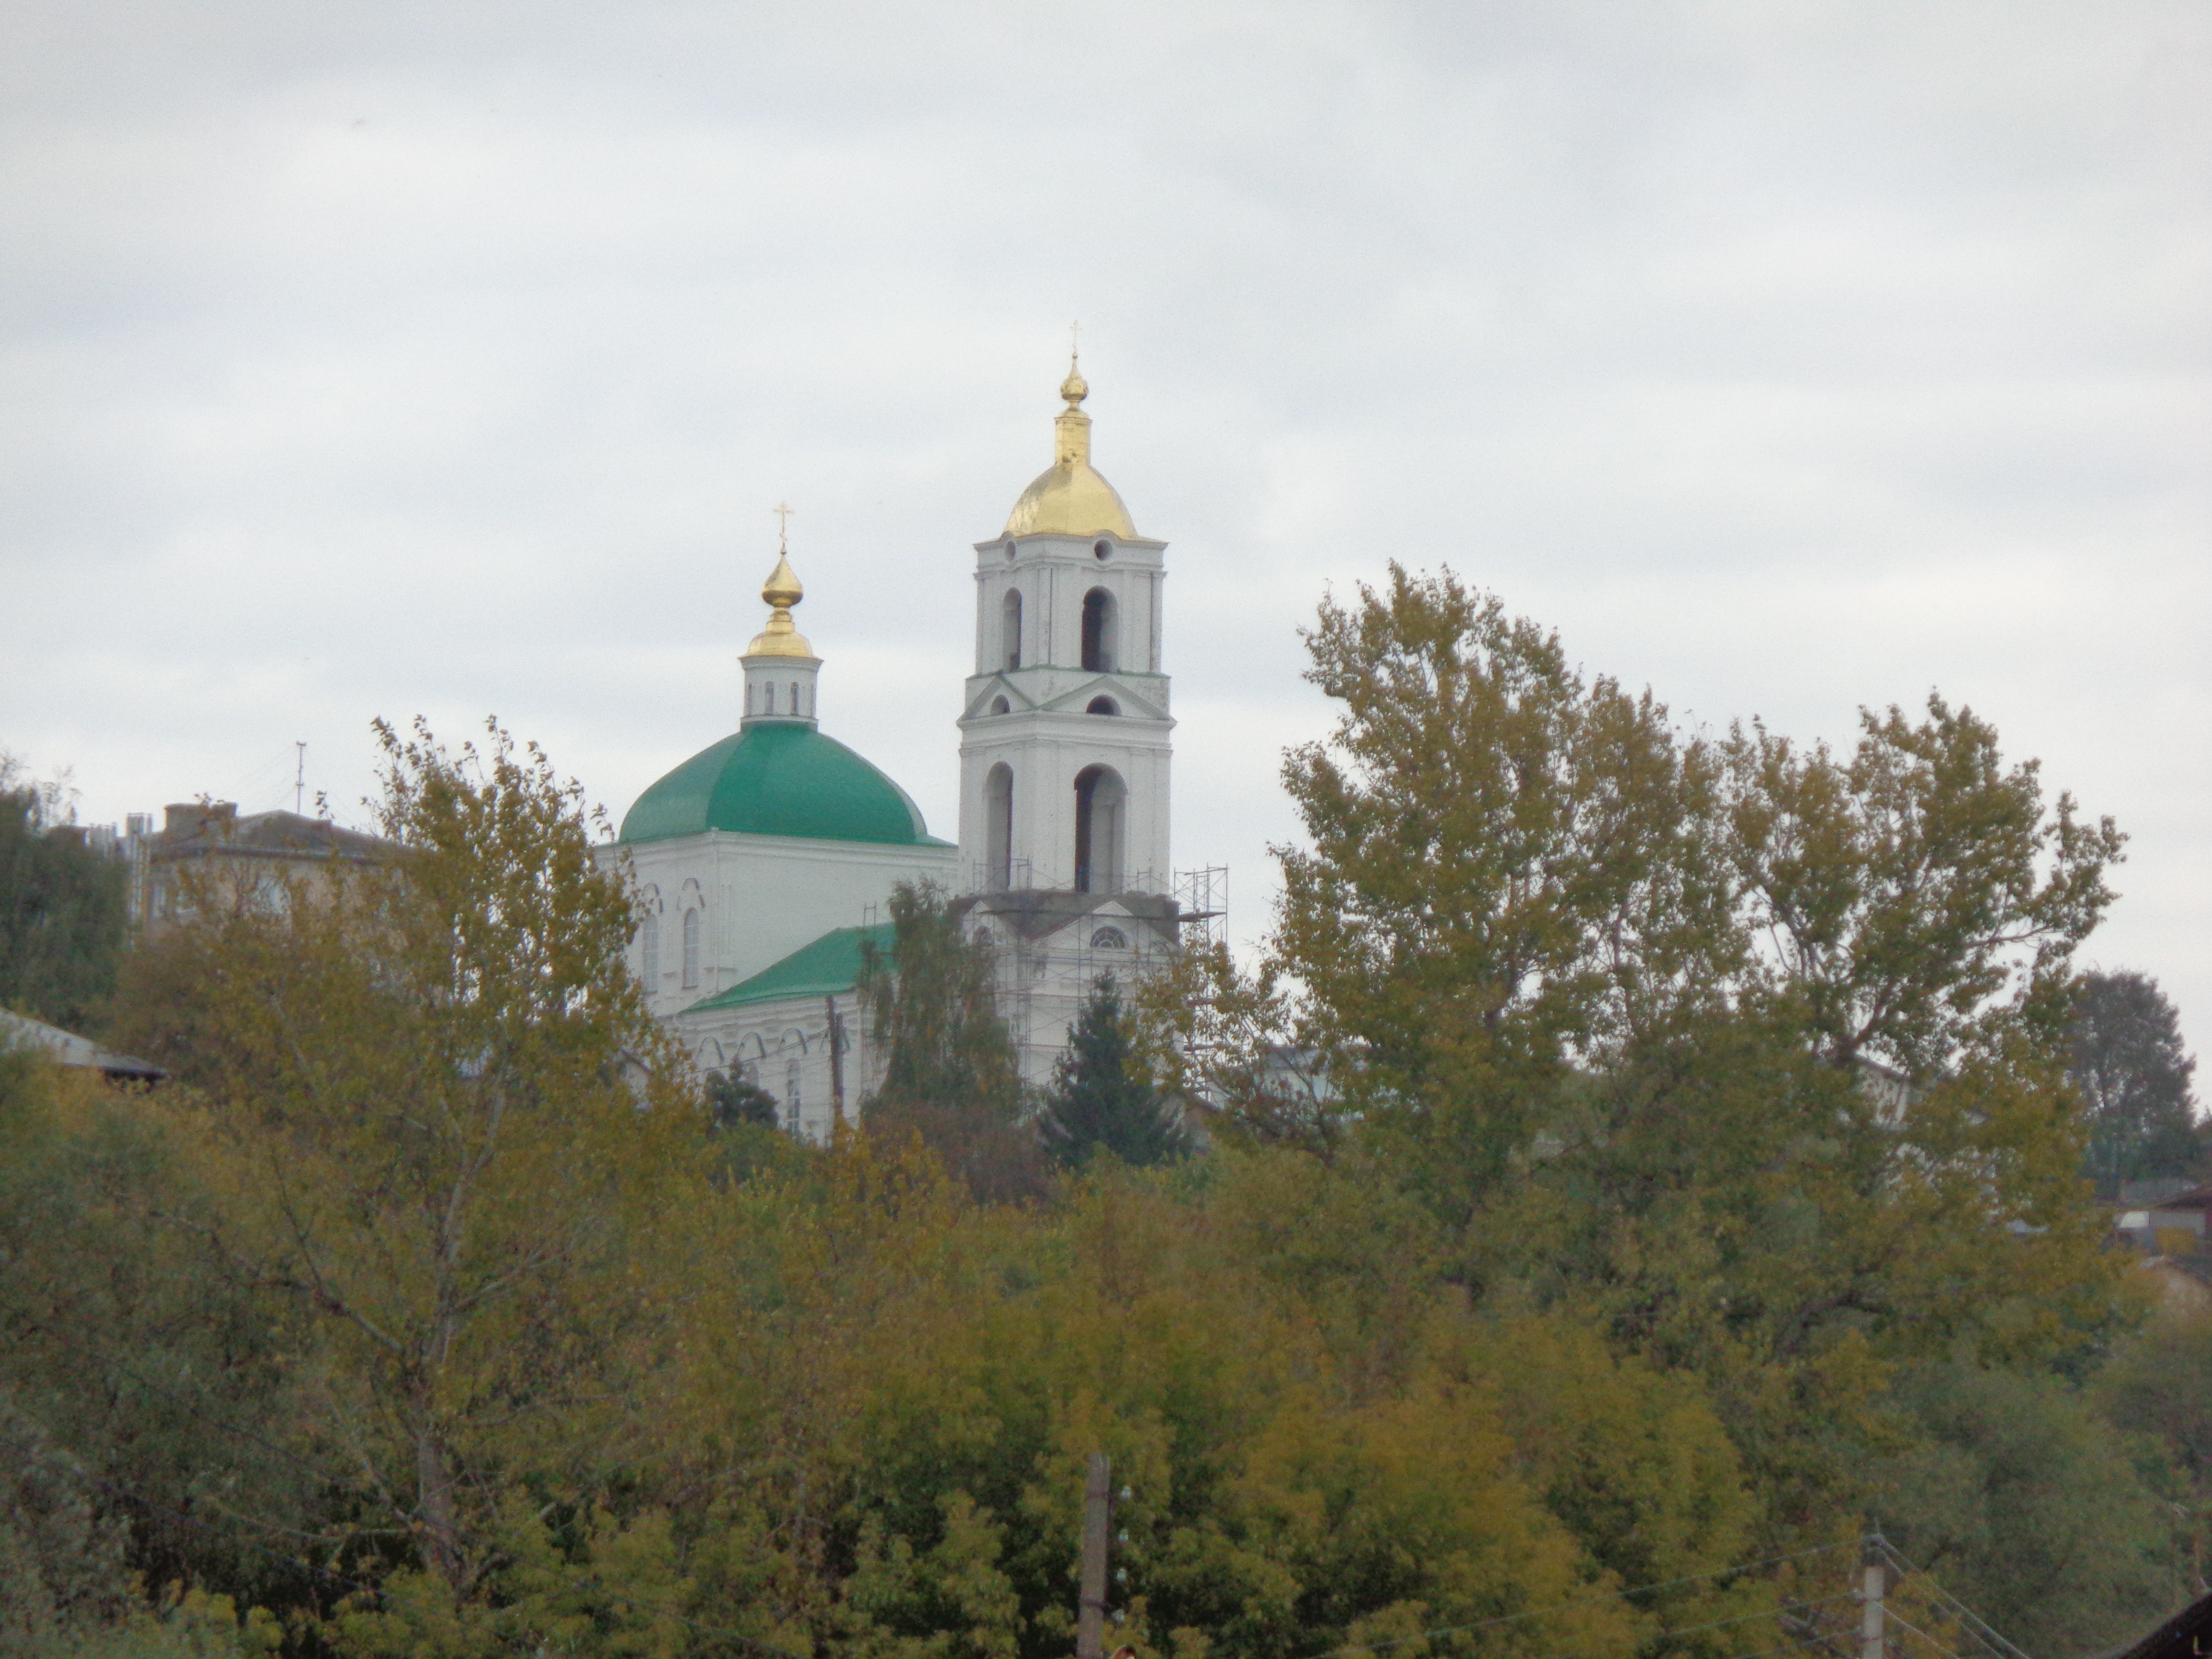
(1203, 897)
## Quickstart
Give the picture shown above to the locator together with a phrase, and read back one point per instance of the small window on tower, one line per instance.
(691, 950)
(1103, 550)
(1103, 706)
(795, 708)
(1098, 631)
(768, 698)
(1109, 938)
(749, 701)
(1000, 706)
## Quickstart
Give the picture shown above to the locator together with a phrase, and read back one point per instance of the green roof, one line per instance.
(779, 778)
(830, 964)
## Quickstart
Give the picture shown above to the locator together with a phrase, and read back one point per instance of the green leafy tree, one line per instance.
(1102, 1098)
(421, 1143)
(1917, 892)
(1511, 869)
(61, 907)
(147, 1367)
(734, 1099)
(949, 1071)
(2127, 1060)
(2161, 1386)
(1601, 994)
(2023, 1502)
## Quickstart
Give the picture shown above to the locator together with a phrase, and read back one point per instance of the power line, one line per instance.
(1976, 1626)
(1563, 1607)
(1892, 1615)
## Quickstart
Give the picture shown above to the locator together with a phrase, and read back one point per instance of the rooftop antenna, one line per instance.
(300, 778)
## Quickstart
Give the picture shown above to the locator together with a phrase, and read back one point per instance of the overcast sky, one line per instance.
(383, 358)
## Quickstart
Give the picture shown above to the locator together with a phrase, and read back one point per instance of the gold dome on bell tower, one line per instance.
(1070, 498)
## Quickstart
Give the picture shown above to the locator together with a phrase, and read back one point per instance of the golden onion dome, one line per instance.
(781, 637)
(1069, 498)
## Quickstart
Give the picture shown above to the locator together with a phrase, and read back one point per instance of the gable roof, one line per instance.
(68, 1049)
(829, 965)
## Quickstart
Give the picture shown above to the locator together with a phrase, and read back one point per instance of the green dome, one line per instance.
(778, 778)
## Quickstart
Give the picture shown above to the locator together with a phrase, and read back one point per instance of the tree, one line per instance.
(2127, 1060)
(2027, 1505)
(1101, 1097)
(734, 1099)
(1511, 870)
(2160, 1385)
(949, 1070)
(61, 906)
(422, 1147)
(152, 1370)
(1911, 893)
(1601, 995)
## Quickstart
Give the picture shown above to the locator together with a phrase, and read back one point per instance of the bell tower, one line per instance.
(1064, 739)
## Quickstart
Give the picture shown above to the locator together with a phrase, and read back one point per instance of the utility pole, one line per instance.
(836, 1059)
(1874, 1576)
(1090, 1618)
(299, 781)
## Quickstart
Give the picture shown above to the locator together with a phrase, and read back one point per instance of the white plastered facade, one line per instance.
(1069, 881)
(758, 899)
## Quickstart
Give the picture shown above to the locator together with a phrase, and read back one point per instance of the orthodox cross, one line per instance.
(783, 512)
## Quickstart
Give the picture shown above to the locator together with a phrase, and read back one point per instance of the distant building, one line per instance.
(262, 853)
(68, 1049)
(2171, 1223)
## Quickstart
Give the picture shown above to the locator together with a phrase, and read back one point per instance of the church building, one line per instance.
(765, 862)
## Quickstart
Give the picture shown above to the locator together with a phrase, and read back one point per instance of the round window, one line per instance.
(1101, 550)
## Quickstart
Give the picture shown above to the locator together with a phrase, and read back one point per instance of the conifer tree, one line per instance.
(1102, 1098)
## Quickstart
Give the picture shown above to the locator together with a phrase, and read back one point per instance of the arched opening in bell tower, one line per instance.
(999, 827)
(1098, 631)
(1010, 627)
(1100, 796)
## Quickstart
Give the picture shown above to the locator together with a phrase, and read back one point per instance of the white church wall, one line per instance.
(1046, 753)
(761, 897)
(784, 1046)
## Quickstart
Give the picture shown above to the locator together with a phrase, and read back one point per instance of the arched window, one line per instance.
(791, 1098)
(795, 708)
(1100, 795)
(749, 700)
(1098, 631)
(768, 698)
(1101, 550)
(691, 950)
(648, 950)
(1109, 938)
(1010, 627)
(1103, 706)
(1000, 706)
(999, 827)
